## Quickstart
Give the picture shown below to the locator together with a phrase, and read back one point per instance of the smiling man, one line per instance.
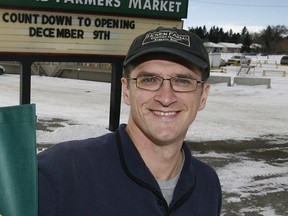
(145, 167)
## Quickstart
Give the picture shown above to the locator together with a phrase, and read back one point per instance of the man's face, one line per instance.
(162, 116)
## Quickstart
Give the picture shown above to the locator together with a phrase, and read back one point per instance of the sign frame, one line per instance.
(173, 9)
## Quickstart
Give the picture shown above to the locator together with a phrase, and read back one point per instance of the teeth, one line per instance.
(165, 113)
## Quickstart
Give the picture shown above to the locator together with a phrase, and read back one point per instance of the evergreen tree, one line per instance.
(274, 39)
(246, 40)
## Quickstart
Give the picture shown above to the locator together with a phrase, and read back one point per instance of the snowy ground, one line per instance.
(236, 112)
(242, 132)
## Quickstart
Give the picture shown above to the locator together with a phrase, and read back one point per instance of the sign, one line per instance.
(67, 33)
(145, 8)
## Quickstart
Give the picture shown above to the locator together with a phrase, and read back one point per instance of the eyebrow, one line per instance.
(146, 73)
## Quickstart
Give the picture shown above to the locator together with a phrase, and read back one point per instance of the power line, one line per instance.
(240, 5)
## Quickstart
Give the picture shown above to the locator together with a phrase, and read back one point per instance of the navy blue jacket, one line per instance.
(106, 176)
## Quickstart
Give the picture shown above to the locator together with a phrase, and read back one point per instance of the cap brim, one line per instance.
(180, 56)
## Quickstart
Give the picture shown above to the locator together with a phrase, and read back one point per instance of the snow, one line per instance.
(243, 112)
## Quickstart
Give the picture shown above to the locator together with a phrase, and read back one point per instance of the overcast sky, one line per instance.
(230, 14)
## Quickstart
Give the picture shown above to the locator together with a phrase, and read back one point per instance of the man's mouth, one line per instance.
(160, 113)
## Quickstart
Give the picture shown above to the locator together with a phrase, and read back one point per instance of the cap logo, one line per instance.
(167, 36)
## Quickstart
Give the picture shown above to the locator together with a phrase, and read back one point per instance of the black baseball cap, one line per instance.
(180, 44)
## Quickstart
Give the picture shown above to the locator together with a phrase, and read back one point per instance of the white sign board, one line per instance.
(23, 31)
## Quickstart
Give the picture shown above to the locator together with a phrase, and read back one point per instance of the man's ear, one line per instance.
(125, 90)
(205, 93)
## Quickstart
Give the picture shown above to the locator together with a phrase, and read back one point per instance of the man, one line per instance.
(144, 168)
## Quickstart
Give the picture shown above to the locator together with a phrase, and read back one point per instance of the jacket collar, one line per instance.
(136, 169)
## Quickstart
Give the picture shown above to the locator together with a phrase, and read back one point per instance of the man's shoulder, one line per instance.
(206, 174)
(78, 148)
(196, 163)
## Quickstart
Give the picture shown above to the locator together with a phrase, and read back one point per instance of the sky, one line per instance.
(230, 14)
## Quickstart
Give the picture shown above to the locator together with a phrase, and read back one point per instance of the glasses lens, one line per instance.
(151, 83)
(183, 84)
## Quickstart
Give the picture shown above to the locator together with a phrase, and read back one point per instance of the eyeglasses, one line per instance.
(178, 84)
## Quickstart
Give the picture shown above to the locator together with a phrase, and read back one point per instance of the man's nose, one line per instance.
(166, 95)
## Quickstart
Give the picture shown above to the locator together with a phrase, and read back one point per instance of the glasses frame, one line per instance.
(163, 79)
